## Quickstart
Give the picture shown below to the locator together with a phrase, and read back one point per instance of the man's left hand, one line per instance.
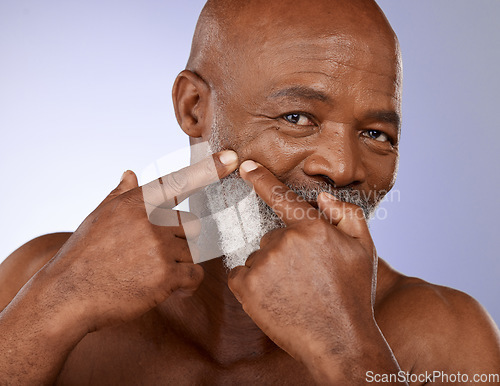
(311, 285)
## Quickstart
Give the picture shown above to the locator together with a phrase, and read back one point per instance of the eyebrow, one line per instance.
(302, 92)
(391, 117)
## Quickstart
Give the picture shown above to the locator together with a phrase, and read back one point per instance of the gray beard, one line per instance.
(242, 218)
(238, 218)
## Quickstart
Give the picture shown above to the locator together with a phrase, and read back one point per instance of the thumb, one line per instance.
(128, 182)
(348, 217)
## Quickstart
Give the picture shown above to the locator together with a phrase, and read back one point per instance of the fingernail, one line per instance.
(248, 166)
(123, 175)
(228, 157)
(329, 196)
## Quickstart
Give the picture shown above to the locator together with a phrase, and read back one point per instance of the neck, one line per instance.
(214, 320)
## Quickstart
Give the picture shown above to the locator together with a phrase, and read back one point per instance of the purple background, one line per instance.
(85, 94)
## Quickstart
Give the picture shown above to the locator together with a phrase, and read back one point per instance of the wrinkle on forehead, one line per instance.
(234, 37)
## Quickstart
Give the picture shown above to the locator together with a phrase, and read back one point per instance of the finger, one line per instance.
(290, 207)
(183, 251)
(128, 182)
(250, 259)
(183, 224)
(266, 239)
(235, 281)
(189, 277)
(168, 191)
(239, 276)
(348, 218)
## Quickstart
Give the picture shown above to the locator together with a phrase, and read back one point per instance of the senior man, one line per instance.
(301, 100)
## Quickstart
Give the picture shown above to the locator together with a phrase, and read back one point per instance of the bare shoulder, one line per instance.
(25, 261)
(434, 327)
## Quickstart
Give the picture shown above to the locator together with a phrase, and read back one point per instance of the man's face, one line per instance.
(317, 110)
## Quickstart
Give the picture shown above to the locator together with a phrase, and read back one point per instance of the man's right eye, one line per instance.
(298, 119)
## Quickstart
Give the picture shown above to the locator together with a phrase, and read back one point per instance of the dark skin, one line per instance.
(321, 105)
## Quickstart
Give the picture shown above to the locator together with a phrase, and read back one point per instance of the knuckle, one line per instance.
(317, 227)
(114, 193)
(291, 240)
(352, 210)
(209, 171)
(258, 178)
(254, 256)
(234, 279)
(252, 281)
(130, 203)
(292, 233)
(132, 197)
(193, 273)
(176, 181)
(277, 194)
(265, 240)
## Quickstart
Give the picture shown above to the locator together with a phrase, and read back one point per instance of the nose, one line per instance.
(337, 158)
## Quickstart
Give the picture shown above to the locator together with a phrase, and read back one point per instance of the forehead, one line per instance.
(336, 65)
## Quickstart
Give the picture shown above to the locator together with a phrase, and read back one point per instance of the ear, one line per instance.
(191, 97)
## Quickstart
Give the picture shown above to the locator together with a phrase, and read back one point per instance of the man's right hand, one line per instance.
(114, 268)
(118, 264)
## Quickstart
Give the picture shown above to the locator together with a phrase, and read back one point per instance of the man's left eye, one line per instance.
(377, 135)
(298, 119)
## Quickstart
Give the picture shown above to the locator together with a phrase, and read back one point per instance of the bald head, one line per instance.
(231, 33)
(311, 89)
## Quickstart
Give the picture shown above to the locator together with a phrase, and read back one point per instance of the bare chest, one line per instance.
(105, 360)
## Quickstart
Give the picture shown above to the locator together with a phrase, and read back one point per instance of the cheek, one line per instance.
(276, 151)
(382, 173)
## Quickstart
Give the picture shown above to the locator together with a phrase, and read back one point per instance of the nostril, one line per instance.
(329, 180)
